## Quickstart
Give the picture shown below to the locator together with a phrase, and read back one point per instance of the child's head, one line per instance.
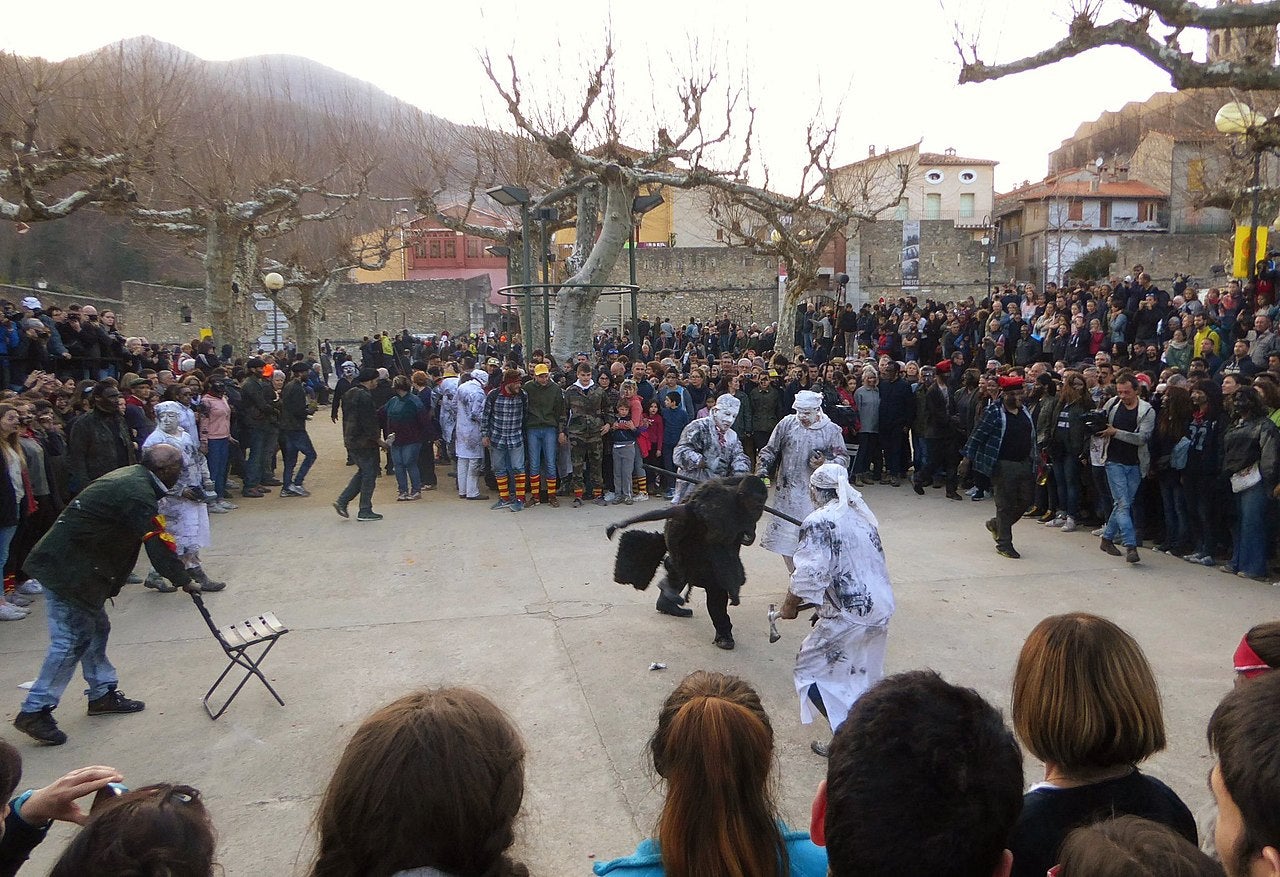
(673, 400)
(623, 409)
(653, 406)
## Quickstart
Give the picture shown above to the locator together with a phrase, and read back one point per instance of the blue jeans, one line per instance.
(542, 442)
(1250, 554)
(6, 539)
(1066, 478)
(405, 460)
(219, 458)
(259, 449)
(365, 478)
(296, 441)
(1123, 481)
(507, 461)
(76, 636)
(1176, 517)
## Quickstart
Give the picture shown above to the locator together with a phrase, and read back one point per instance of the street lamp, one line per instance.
(1235, 119)
(639, 207)
(515, 196)
(988, 238)
(275, 283)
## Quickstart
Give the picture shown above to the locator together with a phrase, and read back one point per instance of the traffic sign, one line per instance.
(264, 304)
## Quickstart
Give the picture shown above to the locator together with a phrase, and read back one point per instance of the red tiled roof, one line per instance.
(1084, 189)
(941, 158)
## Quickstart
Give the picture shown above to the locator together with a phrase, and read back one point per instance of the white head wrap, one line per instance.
(833, 476)
(728, 404)
(807, 399)
(481, 375)
(169, 408)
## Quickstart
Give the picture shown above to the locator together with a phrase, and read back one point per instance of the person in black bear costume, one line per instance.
(699, 546)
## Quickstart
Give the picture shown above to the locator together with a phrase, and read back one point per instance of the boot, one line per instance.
(207, 585)
(157, 582)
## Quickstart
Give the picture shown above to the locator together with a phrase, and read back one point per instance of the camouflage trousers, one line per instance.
(587, 453)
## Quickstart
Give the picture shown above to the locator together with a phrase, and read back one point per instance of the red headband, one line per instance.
(1247, 662)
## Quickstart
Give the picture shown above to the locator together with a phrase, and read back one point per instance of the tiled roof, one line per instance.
(1084, 189)
(941, 158)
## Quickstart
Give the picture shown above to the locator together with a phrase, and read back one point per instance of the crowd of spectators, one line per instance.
(924, 777)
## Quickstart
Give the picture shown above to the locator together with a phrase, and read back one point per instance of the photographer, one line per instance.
(69, 331)
(56, 349)
(8, 340)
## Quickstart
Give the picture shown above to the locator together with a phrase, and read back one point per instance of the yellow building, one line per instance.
(655, 228)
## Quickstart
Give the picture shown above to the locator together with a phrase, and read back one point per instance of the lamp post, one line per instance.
(504, 252)
(1235, 119)
(988, 239)
(639, 207)
(545, 215)
(515, 196)
(274, 282)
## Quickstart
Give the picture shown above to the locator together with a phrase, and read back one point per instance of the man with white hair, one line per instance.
(469, 434)
(840, 568)
(709, 448)
(799, 444)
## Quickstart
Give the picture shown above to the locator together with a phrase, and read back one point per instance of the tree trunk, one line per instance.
(231, 274)
(576, 305)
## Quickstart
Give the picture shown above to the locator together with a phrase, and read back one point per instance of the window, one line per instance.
(434, 249)
(933, 177)
(473, 248)
(1195, 175)
(450, 249)
(1104, 214)
(904, 209)
(1075, 211)
(967, 205)
(419, 251)
(1149, 211)
(932, 206)
(968, 176)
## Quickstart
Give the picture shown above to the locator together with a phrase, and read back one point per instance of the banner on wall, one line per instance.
(910, 253)
(1240, 264)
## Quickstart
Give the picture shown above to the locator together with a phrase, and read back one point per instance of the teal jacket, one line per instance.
(807, 860)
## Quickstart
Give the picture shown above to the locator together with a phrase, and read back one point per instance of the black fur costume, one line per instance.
(701, 540)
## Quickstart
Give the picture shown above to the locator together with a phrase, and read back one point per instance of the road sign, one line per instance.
(263, 304)
(266, 340)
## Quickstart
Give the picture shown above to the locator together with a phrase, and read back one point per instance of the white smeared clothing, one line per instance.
(789, 449)
(186, 520)
(704, 453)
(840, 567)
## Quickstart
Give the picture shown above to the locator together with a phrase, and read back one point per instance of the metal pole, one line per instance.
(1253, 221)
(542, 240)
(526, 330)
(635, 240)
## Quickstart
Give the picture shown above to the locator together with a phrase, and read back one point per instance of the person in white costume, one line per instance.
(709, 448)
(840, 568)
(800, 443)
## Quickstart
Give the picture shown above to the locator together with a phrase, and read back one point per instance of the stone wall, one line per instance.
(952, 261)
(1162, 255)
(50, 297)
(695, 282)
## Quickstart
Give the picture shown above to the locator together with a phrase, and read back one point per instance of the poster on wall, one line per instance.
(910, 253)
(1240, 262)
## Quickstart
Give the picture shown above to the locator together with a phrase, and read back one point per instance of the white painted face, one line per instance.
(808, 416)
(168, 421)
(723, 419)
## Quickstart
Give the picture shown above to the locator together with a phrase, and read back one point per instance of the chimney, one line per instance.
(1093, 183)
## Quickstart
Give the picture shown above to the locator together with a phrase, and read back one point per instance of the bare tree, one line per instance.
(1153, 29)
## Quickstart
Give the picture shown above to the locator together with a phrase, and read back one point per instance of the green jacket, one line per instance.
(588, 410)
(257, 403)
(98, 444)
(546, 406)
(93, 545)
(360, 428)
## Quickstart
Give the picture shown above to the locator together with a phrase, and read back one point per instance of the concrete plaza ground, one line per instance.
(523, 607)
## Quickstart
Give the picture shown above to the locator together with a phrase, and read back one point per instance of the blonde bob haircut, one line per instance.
(1084, 696)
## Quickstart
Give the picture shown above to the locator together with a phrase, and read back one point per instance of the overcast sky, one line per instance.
(889, 68)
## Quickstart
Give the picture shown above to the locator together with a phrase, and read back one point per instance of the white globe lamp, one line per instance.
(1235, 117)
(273, 281)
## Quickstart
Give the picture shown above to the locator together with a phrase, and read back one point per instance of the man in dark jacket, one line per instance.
(82, 562)
(363, 437)
(99, 442)
(897, 411)
(293, 429)
(258, 415)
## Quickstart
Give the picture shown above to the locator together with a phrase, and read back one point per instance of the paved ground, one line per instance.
(523, 608)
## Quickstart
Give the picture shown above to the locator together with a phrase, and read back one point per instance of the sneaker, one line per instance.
(298, 490)
(500, 504)
(133, 579)
(1068, 524)
(41, 726)
(30, 586)
(979, 496)
(1047, 517)
(414, 497)
(617, 500)
(1099, 531)
(723, 642)
(577, 502)
(517, 506)
(402, 497)
(991, 528)
(1228, 568)
(553, 501)
(642, 497)
(216, 508)
(271, 482)
(341, 508)
(628, 501)
(9, 612)
(918, 488)
(479, 497)
(368, 516)
(1131, 555)
(253, 493)
(227, 505)
(1056, 521)
(287, 492)
(600, 500)
(20, 600)
(1009, 552)
(114, 701)
(158, 583)
(669, 607)
(610, 496)
(972, 492)
(1193, 557)
(820, 748)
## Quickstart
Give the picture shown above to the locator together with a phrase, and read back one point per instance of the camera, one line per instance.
(1094, 421)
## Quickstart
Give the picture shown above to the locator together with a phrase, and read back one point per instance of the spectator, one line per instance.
(1130, 422)
(1258, 652)
(924, 778)
(714, 750)
(1085, 702)
(99, 441)
(1251, 460)
(1129, 846)
(431, 783)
